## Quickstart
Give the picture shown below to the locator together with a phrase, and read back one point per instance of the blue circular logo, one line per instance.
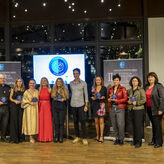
(2, 67)
(58, 66)
(122, 64)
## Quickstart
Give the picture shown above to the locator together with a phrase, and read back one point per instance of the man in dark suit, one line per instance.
(4, 107)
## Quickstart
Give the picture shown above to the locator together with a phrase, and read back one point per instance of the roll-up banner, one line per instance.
(125, 68)
(11, 71)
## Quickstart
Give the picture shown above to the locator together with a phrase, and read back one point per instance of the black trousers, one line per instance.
(4, 118)
(16, 115)
(156, 127)
(79, 116)
(59, 118)
(138, 125)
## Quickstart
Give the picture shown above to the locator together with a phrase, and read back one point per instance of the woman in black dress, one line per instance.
(99, 96)
(16, 112)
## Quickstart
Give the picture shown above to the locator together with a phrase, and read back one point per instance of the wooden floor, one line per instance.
(94, 153)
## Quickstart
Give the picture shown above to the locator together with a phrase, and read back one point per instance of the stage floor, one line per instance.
(68, 153)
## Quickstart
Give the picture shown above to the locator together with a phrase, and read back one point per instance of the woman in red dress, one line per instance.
(45, 116)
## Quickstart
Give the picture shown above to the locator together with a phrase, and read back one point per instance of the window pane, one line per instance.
(120, 52)
(74, 32)
(121, 30)
(1, 35)
(2, 55)
(30, 34)
(25, 55)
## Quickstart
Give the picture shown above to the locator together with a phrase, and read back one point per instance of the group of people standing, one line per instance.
(31, 111)
(137, 100)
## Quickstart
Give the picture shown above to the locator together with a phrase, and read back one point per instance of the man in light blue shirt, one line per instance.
(79, 104)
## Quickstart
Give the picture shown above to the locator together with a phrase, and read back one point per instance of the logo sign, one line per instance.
(58, 66)
(2, 67)
(122, 64)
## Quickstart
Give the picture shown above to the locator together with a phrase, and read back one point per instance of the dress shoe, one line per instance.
(56, 139)
(151, 143)
(4, 139)
(61, 140)
(138, 145)
(121, 142)
(157, 146)
(116, 142)
(133, 143)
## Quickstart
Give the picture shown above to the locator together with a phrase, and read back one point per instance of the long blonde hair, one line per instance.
(63, 91)
(22, 88)
(41, 86)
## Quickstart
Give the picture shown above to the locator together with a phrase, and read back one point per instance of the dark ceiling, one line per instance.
(58, 10)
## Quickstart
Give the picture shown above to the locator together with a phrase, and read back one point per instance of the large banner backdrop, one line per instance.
(125, 68)
(11, 71)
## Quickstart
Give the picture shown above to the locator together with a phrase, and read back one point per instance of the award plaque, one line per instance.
(3, 99)
(114, 96)
(34, 99)
(133, 98)
(19, 98)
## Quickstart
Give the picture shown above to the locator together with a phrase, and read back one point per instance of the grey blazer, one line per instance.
(157, 98)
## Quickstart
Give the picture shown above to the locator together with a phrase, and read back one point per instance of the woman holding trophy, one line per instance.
(117, 98)
(137, 99)
(99, 96)
(30, 116)
(16, 112)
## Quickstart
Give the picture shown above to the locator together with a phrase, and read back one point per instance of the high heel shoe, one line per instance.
(97, 138)
(101, 140)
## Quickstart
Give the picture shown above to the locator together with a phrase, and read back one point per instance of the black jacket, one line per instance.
(157, 98)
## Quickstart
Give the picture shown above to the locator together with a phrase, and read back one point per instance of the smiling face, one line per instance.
(2, 80)
(98, 81)
(19, 83)
(151, 79)
(76, 75)
(44, 82)
(59, 83)
(116, 81)
(135, 82)
(31, 84)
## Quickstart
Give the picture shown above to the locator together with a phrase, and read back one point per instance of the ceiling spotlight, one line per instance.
(14, 16)
(25, 10)
(69, 7)
(119, 5)
(102, 1)
(44, 4)
(73, 4)
(16, 4)
(65, 0)
(85, 11)
(110, 9)
(73, 10)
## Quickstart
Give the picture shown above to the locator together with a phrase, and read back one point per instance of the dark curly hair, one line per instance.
(76, 69)
(116, 76)
(135, 77)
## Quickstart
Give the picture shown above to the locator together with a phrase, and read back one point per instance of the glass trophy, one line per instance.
(3, 99)
(19, 98)
(98, 95)
(133, 98)
(34, 99)
(114, 96)
(59, 97)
